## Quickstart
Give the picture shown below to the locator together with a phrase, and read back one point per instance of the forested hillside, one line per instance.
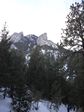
(34, 69)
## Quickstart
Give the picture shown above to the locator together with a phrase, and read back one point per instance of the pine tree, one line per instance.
(73, 34)
(73, 39)
(18, 81)
(4, 58)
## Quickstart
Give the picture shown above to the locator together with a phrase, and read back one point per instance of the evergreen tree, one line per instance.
(73, 34)
(73, 39)
(36, 69)
(12, 73)
(17, 70)
(4, 58)
(46, 76)
(17, 82)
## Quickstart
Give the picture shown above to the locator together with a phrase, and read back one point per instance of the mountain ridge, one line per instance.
(27, 43)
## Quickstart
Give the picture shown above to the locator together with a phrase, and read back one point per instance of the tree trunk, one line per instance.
(4, 95)
(68, 108)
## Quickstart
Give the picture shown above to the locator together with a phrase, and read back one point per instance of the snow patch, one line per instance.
(13, 46)
(5, 105)
(43, 107)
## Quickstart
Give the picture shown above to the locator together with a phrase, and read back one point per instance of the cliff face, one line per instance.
(26, 43)
(23, 42)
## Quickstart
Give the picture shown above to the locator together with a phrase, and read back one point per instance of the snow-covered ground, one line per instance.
(43, 107)
(5, 106)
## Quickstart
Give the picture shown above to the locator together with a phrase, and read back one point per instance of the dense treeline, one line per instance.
(42, 78)
(58, 80)
(73, 39)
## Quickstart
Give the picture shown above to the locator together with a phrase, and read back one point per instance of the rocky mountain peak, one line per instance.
(43, 36)
(27, 42)
(43, 40)
(15, 37)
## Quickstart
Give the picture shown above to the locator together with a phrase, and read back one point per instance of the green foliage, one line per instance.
(73, 34)
(45, 75)
(4, 57)
(73, 39)
(22, 99)
(17, 68)
(12, 72)
(17, 81)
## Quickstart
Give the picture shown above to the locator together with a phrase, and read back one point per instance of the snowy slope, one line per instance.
(5, 106)
(43, 107)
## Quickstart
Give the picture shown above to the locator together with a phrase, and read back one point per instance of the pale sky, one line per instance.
(35, 16)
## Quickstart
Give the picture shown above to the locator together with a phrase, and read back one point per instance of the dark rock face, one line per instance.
(23, 43)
